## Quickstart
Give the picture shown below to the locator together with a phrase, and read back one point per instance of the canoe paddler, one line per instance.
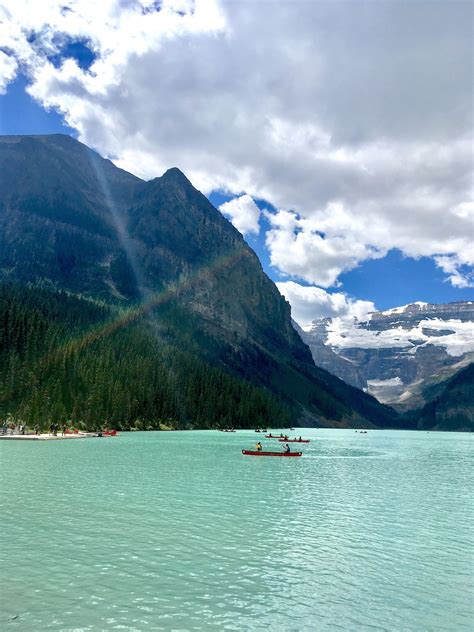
(258, 446)
(286, 449)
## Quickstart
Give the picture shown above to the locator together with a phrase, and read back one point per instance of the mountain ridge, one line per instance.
(395, 353)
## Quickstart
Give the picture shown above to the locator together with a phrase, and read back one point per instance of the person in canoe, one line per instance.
(286, 449)
(258, 446)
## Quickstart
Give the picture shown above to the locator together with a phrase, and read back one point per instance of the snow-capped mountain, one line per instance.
(395, 353)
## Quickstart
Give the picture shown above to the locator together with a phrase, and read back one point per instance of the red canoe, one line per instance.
(255, 453)
(293, 440)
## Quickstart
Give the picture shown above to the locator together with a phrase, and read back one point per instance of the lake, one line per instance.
(179, 531)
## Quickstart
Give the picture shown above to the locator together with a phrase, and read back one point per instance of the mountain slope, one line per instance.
(450, 404)
(70, 220)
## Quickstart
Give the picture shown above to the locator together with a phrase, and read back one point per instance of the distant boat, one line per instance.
(293, 440)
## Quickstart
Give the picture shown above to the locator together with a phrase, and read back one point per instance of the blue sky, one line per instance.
(343, 147)
(20, 114)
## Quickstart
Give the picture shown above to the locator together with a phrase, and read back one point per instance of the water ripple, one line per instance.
(179, 531)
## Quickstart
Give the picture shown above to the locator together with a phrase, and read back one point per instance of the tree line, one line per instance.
(74, 361)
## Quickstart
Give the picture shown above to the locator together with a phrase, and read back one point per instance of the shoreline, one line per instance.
(49, 437)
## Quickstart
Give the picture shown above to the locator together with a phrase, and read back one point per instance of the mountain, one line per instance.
(450, 404)
(157, 268)
(396, 354)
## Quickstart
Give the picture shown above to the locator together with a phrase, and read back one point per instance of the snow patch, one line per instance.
(391, 381)
(403, 308)
(341, 334)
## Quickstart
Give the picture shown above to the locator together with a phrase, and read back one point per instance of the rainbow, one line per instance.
(152, 300)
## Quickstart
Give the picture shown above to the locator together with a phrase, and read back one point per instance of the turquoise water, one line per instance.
(179, 531)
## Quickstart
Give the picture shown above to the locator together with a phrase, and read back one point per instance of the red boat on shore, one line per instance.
(255, 453)
(293, 440)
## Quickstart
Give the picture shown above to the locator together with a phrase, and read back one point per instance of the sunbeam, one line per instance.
(120, 227)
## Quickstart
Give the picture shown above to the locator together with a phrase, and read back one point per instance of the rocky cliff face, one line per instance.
(73, 221)
(397, 353)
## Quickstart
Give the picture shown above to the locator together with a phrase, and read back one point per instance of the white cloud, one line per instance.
(244, 214)
(298, 250)
(354, 115)
(8, 69)
(311, 303)
(452, 265)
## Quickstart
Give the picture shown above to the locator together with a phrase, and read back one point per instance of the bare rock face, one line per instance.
(398, 353)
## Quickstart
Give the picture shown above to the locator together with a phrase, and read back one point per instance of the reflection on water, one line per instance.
(179, 531)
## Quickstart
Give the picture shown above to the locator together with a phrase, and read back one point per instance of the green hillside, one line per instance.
(68, 359)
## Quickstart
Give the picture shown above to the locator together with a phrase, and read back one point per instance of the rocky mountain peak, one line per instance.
(397, 350)
(174, 174)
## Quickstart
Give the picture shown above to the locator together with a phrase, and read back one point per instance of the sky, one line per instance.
(337, 136)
